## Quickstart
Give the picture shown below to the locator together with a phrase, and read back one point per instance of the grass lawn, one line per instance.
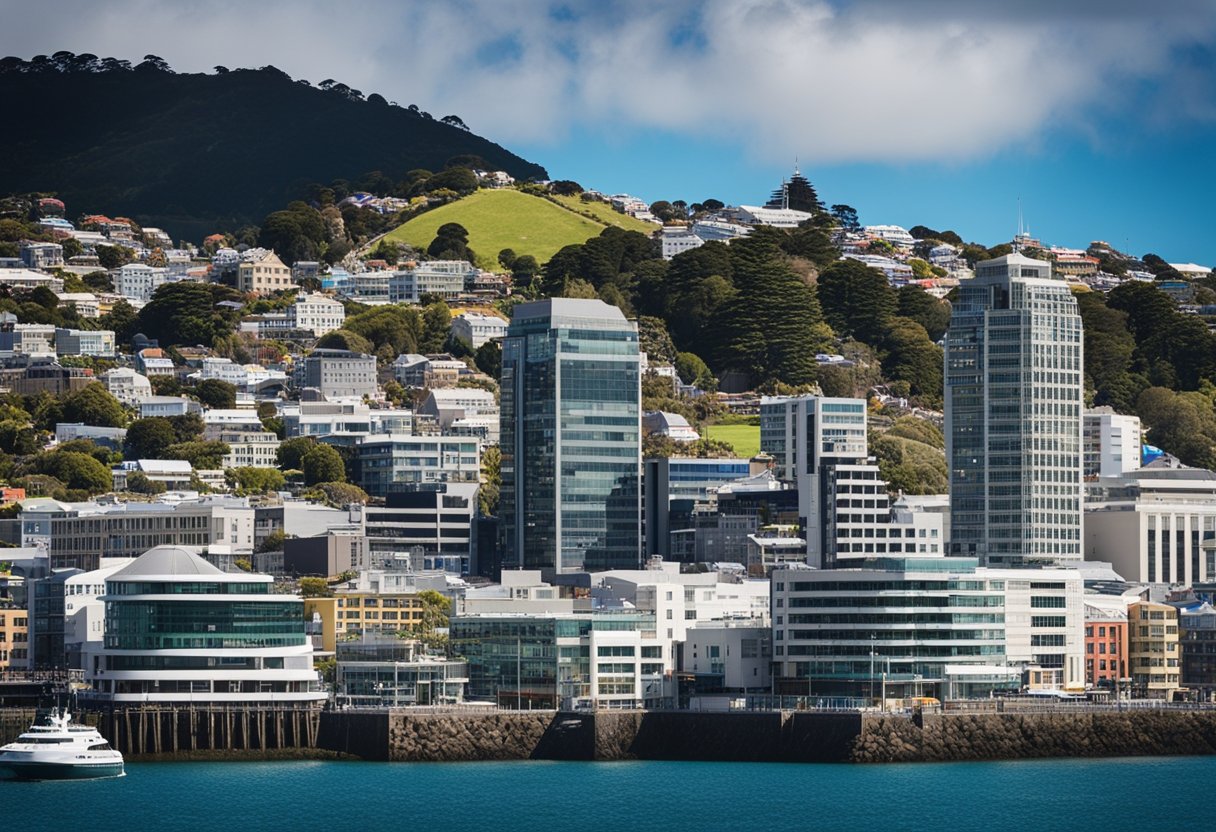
(744, 438)
(603, 211)
(498, 219)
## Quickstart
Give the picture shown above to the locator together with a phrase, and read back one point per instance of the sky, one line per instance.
(1095, 119)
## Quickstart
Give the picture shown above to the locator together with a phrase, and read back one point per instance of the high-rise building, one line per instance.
(571, 437)
(1112, 442)
(807, 437)
(1014, 395)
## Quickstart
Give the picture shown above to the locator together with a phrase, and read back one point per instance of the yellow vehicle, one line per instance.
(923, 702)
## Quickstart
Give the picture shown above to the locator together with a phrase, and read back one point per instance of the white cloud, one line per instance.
(873, 81)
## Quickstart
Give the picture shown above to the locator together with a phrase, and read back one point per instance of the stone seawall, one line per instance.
(763, 736)
(946, 737)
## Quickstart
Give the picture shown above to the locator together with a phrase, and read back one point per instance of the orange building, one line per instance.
(1105, 648)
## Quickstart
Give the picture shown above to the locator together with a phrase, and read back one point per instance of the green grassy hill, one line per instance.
(744, 438)
(498, 219)
(604, 213)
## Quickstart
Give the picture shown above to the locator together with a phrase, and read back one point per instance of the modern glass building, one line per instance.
(901, 627)
(562, 659)
(674, 486)
(177, 629)
(1014, 396)
(571, 437)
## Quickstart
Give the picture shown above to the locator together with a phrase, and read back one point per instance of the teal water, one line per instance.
(1038, 796)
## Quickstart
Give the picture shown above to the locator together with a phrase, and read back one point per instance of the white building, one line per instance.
(776, 217)
(95, 342)
(892, 234)
(446, 405)
(1156, 524)
(317, 313)
(84, 612)
(477, 328)
(1045, 623)
(806, 436)
(28, 339)
(669, 424)
(678, 239)
(736, 656)
(1111, 442)
(168, 406)
(139, 281)
(1014, 394)
(444, 278)
(177, 629)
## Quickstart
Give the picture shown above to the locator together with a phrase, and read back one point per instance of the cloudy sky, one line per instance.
(1096, 116)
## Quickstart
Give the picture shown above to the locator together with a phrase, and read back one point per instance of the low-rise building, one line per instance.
(178, 630)
(352, 612)
(338, 374)
(41, 255)
(477, 328)
(167, 406)
(442, 278)
(14, 638)
(1198, 645)
(425, 527)
(26, 339)
(1152, 647)
(127, 385)
(138, 281)
(1106, 645)
(263, 273)
(380, 672)
(388, 461)
(95, 342)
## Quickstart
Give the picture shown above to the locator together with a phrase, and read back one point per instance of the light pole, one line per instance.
(519, 673)
(873, 636)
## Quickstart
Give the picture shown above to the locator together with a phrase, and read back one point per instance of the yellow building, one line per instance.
(353, 613)
(269, 274)
(1152, 647)
(14, 639)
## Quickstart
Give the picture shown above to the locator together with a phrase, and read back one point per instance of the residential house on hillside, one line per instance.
(263, 273)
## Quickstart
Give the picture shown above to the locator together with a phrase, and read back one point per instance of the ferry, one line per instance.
(54, 749)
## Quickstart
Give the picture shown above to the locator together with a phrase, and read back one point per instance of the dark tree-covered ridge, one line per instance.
(197, 153)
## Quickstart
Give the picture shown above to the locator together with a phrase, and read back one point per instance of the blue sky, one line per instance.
(1098, 115)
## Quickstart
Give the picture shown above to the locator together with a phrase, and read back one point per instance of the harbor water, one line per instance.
(1042, 795)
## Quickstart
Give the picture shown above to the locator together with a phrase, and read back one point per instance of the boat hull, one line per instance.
(27, 770)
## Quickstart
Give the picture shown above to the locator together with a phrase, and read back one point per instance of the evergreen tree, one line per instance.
(772, 327)
(857, 300)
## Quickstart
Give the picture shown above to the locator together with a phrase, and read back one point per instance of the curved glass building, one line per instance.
(177, 629)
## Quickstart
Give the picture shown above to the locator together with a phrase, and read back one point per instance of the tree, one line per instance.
(149, 438)
(250, 480)
(491, 481)
(460, 180)
(857, 300)
(654, 340)
(322, 463)
(692, 370)
(488, 359)
(344, 339)
(436, 324)
(216, 393)
(93, 405)
(291, 452)
(113, 257)
(846, 215)
(273, 542)
(76, 471)
(451, 243)
(933, 314)
(771, 329)
(436, 608)
(138, 482)
(315, 588)
(201, 455)
(910, 356)
(336, 494)
(189, 313)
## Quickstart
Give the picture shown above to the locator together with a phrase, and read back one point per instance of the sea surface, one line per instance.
(1030, 796)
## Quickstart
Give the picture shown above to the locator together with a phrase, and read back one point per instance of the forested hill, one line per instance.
(196, 153)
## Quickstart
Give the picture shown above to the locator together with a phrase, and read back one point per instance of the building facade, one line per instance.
(339, 374)
(571, 437)
(1014, 393)
(807, 437)
(1154, 658)
(177, 629)
(1112, 443)
(391, 461)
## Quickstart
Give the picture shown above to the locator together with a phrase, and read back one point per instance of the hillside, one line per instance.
(498, 219)
(196, 153)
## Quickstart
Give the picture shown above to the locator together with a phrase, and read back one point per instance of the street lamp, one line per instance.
(873, 636)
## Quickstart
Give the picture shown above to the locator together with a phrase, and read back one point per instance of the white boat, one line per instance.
(54, 749)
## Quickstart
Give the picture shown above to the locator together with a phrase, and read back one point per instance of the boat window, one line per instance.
(105, 746)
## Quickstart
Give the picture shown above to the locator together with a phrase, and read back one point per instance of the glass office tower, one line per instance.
(1014, 396)
(571, 437)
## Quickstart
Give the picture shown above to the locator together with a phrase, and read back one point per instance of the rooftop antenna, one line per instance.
(1017, 241)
